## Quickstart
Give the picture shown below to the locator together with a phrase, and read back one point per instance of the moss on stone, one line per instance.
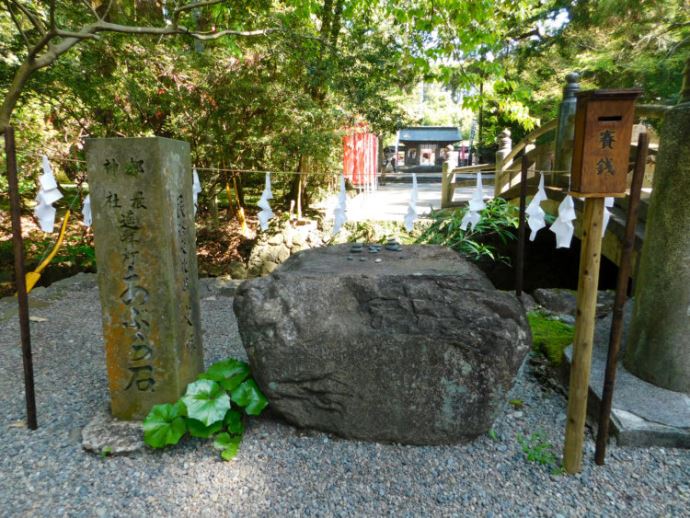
(550, 336)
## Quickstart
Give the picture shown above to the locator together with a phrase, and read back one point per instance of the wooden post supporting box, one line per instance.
(603, 127)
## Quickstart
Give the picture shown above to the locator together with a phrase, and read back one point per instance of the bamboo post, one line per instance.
(621, 294)
(566, 123)
(520, 259)
(588, 282)
(20, 277)
(445, 185)
(505, 145)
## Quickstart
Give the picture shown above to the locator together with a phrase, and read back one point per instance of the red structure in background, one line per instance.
(360, 158)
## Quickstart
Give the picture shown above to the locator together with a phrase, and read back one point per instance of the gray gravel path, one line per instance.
(281, 471)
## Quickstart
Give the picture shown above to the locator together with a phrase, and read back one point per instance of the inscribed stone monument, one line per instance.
(141, 198)
(408, 344)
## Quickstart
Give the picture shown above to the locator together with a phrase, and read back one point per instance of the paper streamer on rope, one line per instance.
(86, 211)
(196, 188)
(476, 205)
(563, 226)
(266, 213)
(608, 203)
(535, 214)
(412, 206)
(47, 195)
(340, 211)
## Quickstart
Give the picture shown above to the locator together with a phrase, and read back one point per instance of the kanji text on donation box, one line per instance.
(601, 150)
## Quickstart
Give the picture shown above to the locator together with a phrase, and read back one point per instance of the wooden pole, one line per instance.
(520, 259)
(621, 296)
(20, 277)
(590, 258)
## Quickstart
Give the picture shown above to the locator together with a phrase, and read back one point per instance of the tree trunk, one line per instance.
(213, 209)
(658, 349)
(13, 93)
(298, 183)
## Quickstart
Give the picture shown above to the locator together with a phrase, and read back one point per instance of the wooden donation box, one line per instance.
(601, 150)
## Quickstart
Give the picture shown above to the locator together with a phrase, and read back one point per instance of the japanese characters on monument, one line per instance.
(141, 194)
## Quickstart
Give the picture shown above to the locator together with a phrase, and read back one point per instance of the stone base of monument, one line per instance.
(105, 434)
(642, 414)
(413, 346)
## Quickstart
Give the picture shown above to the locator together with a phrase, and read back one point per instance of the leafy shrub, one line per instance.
(498, 221)
(213, 406)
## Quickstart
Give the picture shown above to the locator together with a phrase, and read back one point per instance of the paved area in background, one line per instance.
(390, 201)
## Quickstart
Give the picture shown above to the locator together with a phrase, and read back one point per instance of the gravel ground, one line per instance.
(282, 471)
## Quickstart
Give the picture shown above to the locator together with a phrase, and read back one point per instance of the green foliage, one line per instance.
(282, 101)
(198, 429)
(498, 221)
(228, 444)
(249, 397)
(207, 411)
(206, 401)
(550, 336)
(229, 373)
(517, 404)
(611, 43)
(539, 450)
(233, 421)
(165, 425)
(106, 451)
(74, 251)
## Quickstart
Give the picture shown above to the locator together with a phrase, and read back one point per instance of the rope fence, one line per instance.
(212, 169)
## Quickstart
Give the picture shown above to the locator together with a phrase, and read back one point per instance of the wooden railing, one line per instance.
(449, 182)
(506, 169)
(504, 175)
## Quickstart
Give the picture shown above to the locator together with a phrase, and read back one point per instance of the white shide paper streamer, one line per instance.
(86, 211)
(535, 214)
(196, 188)
(412, 206)
(608, 203)
(472, 217)
(563, 226)
(47, 195)
(265, 214)
(340, 212)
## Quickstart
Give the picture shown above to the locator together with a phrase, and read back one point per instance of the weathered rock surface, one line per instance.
(564, 302)
(283, 239)
(107, 435)
(418, 348)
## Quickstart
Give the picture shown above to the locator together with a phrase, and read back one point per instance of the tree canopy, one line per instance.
(272, 85)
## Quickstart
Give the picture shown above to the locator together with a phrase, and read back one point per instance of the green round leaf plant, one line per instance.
(249, 397)
(165, 425)
(229, 373)
(206, 401)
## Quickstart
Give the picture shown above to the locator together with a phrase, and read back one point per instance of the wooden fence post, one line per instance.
(565, 132)
(448, 180)
(621, 295)
(505, 145)
(445, 185)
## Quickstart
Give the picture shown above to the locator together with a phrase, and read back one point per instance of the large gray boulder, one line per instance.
(417, 348)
